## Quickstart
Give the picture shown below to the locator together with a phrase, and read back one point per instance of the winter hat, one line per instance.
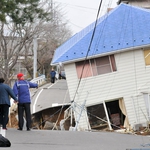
(19, 75)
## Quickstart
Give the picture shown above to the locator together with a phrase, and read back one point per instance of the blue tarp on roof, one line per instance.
(124, 27)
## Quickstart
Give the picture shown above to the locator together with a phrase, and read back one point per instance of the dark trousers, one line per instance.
(4, 109)
(24, 108)
(52, 79)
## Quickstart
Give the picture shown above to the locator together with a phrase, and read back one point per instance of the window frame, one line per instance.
(147, 57)
(93, 67)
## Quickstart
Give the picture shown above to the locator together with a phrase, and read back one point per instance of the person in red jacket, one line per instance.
(21, 90)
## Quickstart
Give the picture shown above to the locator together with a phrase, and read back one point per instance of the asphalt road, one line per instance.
(75, 140)
(49, 95)
(69, 140)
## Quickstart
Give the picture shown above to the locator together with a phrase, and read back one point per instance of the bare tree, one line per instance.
(14, 38)
(16, 41)
(52, 35)
(12, 46)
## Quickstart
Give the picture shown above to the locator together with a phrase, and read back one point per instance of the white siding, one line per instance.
(131, 74)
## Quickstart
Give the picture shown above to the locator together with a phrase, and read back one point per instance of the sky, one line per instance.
(81, 13)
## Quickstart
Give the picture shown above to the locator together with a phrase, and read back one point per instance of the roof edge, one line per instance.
(102, 54)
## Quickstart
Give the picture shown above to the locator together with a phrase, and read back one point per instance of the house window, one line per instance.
(96, 66)
(103, 65)
(83, 72)
(147, 57)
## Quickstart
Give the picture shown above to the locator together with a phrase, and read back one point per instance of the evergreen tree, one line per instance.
(20, 11)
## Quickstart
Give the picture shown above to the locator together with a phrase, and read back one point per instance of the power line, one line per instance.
(88, 48)
(76, 6)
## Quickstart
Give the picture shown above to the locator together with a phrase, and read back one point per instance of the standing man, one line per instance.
(21, 89)
(5, 92)
(52, 74)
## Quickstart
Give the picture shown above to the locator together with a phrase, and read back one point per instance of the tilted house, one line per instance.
(109, 79)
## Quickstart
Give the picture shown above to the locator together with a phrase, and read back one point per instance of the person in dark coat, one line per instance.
(21, 90)
(5, 92)
(52, 74)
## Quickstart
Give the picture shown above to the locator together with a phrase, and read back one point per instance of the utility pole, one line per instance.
(35, 56)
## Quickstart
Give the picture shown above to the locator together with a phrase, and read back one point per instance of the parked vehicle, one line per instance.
(62, 75)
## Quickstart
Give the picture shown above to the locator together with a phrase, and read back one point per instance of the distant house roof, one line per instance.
(119, 1)
(126, 1)
(124, 27)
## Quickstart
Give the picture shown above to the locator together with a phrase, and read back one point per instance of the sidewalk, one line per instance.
(74, 140)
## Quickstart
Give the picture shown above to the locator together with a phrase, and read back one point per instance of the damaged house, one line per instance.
(108, 71)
